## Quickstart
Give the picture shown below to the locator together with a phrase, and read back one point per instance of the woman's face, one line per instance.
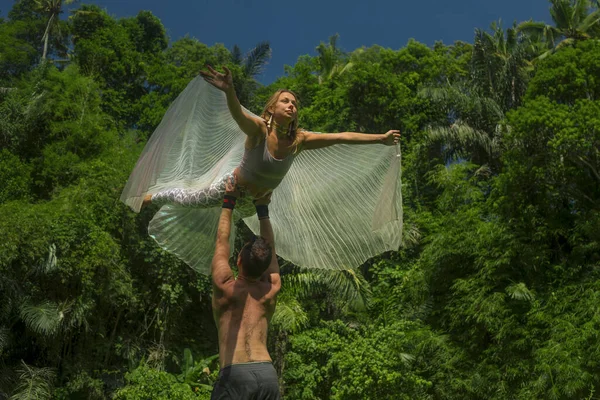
(286, 107)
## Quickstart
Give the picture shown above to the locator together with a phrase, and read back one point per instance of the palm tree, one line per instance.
(52, 9)
(331, 60)
(236, 55)
(251, 65)
(474, 129)
(574, 20)
(500, 64)
(254, 62)
(499, 71)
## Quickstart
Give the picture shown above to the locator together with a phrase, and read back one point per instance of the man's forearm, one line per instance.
(266, 231)
(221, 272)
(224, 228)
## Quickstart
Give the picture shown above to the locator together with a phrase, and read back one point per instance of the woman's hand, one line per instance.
(221, 81)
(391, 137)
(231, 187)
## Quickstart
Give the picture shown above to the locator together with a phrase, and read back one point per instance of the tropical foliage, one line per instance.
(493, 295)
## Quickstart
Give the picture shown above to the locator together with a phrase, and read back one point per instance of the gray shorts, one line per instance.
(256, 380)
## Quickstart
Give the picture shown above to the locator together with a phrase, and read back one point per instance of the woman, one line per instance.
(196, 162)
(271, 143)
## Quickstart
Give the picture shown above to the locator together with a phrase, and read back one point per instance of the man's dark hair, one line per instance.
(256, 257)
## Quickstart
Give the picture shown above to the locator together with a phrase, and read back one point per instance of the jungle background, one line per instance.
(494, 293)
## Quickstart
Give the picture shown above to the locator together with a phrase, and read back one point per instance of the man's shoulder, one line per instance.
(222, 275)
(270, 287)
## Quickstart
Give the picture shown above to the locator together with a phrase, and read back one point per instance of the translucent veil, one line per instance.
(336, 207)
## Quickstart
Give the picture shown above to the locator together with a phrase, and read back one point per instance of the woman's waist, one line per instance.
(262, 181)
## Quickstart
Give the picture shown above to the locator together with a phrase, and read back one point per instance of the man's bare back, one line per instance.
(242, 313)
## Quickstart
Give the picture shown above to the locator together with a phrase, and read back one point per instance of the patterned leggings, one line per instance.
(203, 198)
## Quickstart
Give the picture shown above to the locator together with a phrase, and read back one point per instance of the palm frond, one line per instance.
(257, 58)
(289, 314)
(519, 291)
(580, 10)
(43, 318)
(545, 54)
(302, 284)
(489, 108)
(406, 358)
(329, 58)
(76, 313)
(34, 383)
(590, 22)
(562, 13)
(349, 286)
(447, 96)
(540, 30)
(340, 69)
(564, 43)
(531, 27)
(459, 135)
(333, 42)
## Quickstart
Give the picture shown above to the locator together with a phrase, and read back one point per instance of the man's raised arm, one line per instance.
(266, 231)
(220, 269)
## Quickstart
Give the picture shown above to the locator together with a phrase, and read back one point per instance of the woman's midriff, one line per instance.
(249, 188)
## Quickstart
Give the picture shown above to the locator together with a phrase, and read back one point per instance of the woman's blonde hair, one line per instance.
(268, 116)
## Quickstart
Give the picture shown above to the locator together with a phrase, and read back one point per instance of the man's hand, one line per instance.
(221, 81)
(391, 137)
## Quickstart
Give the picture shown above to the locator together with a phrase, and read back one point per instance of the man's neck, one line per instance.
(248, 279)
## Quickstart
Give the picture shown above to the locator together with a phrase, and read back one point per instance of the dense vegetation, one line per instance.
(494, 295)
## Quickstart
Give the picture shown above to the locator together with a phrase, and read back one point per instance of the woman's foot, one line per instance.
(147, 200)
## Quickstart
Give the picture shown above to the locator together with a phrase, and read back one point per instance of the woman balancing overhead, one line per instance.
(334, 207)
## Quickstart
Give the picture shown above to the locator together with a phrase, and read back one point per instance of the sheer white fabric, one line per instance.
(336, 208)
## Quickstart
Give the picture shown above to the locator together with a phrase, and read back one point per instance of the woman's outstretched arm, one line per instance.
(250, 125)
(311, 140)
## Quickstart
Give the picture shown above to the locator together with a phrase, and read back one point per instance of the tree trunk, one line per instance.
(47, 36)
(45, 48)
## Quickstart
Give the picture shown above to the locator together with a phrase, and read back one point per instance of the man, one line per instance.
(243, 307)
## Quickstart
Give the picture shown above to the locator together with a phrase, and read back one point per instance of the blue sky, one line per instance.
(295, 28)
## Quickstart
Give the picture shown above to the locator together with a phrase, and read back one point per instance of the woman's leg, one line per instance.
(211, 196)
